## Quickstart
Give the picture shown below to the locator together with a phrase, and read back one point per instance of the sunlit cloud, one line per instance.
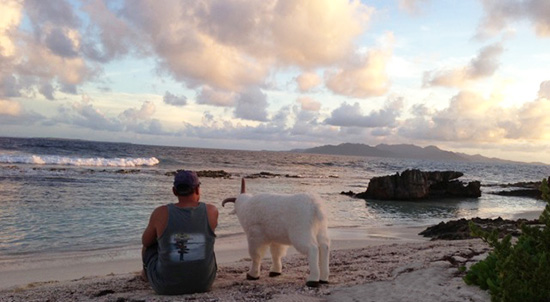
(483, 65)
(365, 76)
(307, 81)
(471, 117)
(309, 104)
(8, 107)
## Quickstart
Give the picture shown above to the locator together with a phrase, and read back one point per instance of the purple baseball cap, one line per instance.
(185, 181)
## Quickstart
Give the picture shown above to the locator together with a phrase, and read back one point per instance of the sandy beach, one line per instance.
(367, 264)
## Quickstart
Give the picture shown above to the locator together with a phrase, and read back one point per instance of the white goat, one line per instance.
(280, 220)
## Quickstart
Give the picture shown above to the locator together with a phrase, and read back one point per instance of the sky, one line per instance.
(469, 76)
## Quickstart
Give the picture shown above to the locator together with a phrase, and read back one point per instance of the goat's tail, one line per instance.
(232, 199)
(243, 189)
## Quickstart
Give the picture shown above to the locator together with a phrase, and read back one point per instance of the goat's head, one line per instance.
(233, 199)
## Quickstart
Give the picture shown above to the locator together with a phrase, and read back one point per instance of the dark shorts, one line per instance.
(150, 255)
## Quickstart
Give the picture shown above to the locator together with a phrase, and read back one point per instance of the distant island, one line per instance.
(402, 151)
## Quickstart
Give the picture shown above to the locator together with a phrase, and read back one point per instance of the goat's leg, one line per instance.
(307, 246)
(324, 251)
(277, 252)
(256, 249)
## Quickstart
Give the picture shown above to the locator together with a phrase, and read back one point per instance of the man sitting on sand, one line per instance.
(178, 244)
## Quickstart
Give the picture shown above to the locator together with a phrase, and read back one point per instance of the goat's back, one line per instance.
(277, 215)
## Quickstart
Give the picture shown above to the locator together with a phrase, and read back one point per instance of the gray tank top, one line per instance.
(186, 261)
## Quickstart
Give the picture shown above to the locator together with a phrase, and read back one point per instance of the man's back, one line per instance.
(186, 262)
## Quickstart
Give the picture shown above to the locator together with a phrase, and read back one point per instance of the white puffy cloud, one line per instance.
(471, 117)
(252, 105)
(233, 44)
(351, 115)
(363, 77)
(146, 110)
(307, 81)
(174, 100)
(9, 107)
(499, 14)
(84, 114)
(309, 104)
(214, 97)
(10, 17)
(43, 55)
(483, 65)
(108, 36)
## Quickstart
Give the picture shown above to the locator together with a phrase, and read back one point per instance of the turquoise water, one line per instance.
(65, 195)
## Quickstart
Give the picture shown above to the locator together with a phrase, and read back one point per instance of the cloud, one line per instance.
(500, 13)
(412, 6)
(174, 100)
(471, 117)
(247, 39)
(213, 97)
(307, 81)
(8, 107)
(309, 104)
(47, 90)
(9, 86)
(252, 105)
(109, 36)
(85, 115)
(42, 55)
(531, 121)
(483, 65)
(544, 91)
(351, 115)
(365, 77)
(61, 43)
(147, 110)
(10, 17)
(137, 120)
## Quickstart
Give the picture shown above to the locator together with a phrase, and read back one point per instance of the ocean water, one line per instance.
(69, 195)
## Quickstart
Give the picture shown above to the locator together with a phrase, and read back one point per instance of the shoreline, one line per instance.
(387, 263)
(19, 271)
(23, 272)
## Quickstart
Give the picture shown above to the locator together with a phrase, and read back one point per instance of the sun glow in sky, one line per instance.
(469, 76)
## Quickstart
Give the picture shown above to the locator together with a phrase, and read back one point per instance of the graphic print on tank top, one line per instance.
(187, 247)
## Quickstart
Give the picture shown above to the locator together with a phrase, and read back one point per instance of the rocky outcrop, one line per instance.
(460, 229)
(415, 185)
(521, 189)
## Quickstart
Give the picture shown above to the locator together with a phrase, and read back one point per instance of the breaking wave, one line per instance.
(78, 161)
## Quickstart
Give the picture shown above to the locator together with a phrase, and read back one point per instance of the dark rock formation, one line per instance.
(521, 189)
(271, 175)
(459, 229)
(206, 173)
(415, 185)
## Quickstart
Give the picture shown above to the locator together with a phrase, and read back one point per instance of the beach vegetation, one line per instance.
(516, 269)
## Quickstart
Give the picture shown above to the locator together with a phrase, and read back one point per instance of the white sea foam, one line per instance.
(78, 161)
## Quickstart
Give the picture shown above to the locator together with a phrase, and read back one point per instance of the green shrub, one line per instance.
(517, 271)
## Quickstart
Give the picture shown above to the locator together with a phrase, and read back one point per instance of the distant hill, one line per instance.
(399, 151)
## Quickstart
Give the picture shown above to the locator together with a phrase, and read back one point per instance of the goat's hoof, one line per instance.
(248, 277)
(312, 284)
(274, 274)
(323, 282)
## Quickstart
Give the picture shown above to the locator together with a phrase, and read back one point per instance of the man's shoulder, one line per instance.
(210, 206)
(160, 211)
